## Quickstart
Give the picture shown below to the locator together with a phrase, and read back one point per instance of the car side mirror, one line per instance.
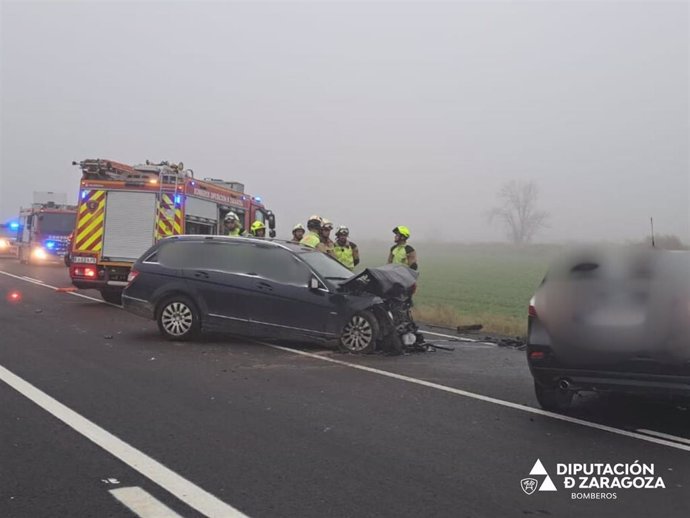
(271, 222)
(314, 283)
(272, 233)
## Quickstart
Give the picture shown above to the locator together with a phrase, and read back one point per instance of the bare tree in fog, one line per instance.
(518, 211)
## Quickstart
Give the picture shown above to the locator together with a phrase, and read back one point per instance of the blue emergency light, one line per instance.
(178, 199)
(14, 225)
(83, 194)
(50, 245)
(258, 199)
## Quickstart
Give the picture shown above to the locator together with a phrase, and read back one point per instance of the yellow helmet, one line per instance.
(403, 231)
(257, 225)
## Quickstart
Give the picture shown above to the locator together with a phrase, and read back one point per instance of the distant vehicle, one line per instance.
(611, 321)
(8, 239)
(43, 231)
(124, 209)
(270, 289)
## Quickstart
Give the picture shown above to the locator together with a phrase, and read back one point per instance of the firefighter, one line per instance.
(325, 234)
(297, 233)
(257, 229)
(401, 252)
(232, 224)
(312, 238)
(345, 250)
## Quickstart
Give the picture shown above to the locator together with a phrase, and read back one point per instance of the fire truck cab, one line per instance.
(123, 210)
(43, 230)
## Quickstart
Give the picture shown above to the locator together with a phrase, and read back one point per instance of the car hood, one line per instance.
(391, 280)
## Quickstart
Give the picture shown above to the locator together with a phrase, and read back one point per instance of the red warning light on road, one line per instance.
(14, 296)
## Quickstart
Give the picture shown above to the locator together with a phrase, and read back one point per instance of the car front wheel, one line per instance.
(360, 333)
(178, 319)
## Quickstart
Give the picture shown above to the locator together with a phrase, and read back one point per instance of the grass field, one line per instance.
(488, 284)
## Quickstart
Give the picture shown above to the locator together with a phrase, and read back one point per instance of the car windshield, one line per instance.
(57, 223)
(325, 266)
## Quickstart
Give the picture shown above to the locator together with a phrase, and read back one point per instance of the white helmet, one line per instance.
(231, 216)
(299, 226)
(342, 229)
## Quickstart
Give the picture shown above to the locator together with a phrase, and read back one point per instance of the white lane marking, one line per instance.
(188, 492)
(55, 288)
(480, 397)
(664, 436)
(32, 279)
(142, 504)
(487, 399)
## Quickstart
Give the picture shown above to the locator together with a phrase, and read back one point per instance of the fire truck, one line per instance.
(124, 209)
(43, 229)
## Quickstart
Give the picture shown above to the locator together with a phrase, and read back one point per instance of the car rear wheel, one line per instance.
(360, 333)
(554, 399)
(178, 319)
(112, 296)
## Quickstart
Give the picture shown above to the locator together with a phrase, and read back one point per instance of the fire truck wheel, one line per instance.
(360, 333)
(178, 318)
(112, 296)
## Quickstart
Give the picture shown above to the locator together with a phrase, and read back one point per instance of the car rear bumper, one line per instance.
(139, 307)
(612, 381)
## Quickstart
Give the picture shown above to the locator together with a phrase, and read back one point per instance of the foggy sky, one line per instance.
(370, 114)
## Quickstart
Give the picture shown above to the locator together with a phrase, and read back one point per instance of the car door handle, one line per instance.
(201, 275)
(264, 286)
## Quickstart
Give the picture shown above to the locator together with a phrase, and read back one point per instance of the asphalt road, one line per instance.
(93, 401)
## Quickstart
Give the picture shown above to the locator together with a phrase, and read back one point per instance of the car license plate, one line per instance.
(81, 259)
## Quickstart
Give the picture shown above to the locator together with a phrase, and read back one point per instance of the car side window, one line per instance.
(206, 255)
(279, 265)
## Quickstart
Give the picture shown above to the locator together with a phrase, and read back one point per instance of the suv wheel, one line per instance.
(554, 399)
(360, 333)
(178, 318)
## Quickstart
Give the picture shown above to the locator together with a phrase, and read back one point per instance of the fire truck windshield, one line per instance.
(56, 222)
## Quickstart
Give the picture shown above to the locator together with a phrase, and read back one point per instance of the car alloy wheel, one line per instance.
(178, 318)
(360, 333)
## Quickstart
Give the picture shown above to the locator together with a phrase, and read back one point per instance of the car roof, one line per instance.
(278, 243)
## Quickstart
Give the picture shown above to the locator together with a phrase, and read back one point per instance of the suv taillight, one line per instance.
(132, 275)
(532, 311)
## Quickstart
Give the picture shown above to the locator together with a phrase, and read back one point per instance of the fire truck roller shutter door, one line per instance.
(129, 224)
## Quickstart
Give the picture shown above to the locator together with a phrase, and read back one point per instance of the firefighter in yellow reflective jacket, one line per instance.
(345, 250)
(401, 252)
(297, 233)
(232, 224)
(257, 229)
(312, 238)
(326, 228)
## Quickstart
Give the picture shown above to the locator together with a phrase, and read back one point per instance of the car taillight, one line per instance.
(536, 355)
(413, 289)
(532, 311)
(132, 275)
